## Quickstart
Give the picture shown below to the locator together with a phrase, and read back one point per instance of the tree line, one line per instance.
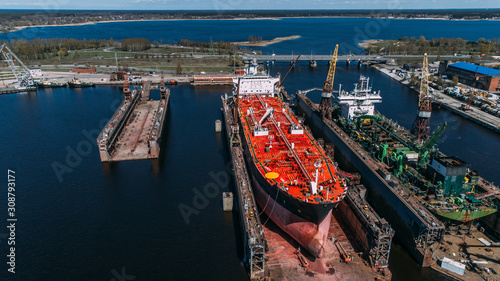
(135, 44)
(220, 47)
(46, 48)
(413, 46)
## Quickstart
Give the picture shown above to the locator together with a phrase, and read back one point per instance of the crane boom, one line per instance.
(421, 128)
(21, 72)
(290, 69)
(328, 87)
(326, 94)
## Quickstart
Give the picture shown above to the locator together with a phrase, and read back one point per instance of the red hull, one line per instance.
(308, 234)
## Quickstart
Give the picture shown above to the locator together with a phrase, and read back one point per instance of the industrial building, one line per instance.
(476, 76)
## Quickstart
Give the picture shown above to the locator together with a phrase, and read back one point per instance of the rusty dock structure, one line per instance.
(271, 254)
(253, 234)
(135, 129)
(419, 230)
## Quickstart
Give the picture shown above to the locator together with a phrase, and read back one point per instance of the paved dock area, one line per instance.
(133, 141)
(475, 114)
(284, 264)
(482, 262)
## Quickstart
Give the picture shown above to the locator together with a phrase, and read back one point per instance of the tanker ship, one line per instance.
(295, 183)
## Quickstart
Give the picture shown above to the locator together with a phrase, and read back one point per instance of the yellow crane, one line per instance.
(326, 94)
(421, 127)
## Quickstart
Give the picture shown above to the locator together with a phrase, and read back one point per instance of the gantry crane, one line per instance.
(21, 72)
(326, 94)
(421, 127)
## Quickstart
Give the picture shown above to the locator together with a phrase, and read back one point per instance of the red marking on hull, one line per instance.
(310, 235)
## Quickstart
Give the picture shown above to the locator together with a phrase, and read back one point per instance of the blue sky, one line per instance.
(245, 4)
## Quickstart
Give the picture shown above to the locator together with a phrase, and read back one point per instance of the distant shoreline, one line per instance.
(18, 28)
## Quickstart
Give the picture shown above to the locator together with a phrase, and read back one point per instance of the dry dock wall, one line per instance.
(409, 227)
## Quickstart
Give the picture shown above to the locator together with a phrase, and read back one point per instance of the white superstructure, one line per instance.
(360, 101)
(255, 83)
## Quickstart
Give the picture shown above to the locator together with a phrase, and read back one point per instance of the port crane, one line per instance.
(421, 127)
(21, 72)
(326, 94)
(290, 69)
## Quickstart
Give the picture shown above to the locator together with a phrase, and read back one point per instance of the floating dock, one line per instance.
(15, 90)
(419, 230)
(213, 80)
(253, 234)
(272, 254)
(134, 132)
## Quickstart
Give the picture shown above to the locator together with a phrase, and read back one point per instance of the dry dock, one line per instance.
(134, 132)
(270, 253)
(418, 229)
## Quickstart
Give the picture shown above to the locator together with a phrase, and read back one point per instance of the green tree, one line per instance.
(455, 80)
(62, 52)
(76, 54)
(178, 70)
(56, 63)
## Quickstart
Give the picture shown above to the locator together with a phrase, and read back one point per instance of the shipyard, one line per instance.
(253, 144)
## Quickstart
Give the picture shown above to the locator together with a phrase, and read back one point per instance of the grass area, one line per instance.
(188, 64)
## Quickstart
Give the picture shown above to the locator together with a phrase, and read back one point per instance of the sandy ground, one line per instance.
(264, 43)
(16, 28)
(368, 43)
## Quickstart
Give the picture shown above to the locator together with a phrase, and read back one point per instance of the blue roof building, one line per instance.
(476, 76)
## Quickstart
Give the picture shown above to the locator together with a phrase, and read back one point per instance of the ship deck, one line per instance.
(282, 146)
(132, 143)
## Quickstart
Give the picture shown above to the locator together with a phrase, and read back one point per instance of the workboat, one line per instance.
(50, 84)
(76, 83)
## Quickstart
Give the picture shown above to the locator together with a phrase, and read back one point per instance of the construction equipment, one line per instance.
(126, 88)
(326, 95)
(21, 72)
(470, 97)
(346, 257)
(290, 69)
(421, 127)
(301, 258)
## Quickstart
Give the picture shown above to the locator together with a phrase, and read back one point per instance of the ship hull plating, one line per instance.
(306, 223)
(308, 234)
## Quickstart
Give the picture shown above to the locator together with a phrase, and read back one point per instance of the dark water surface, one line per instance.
(318, 35)
(101, 221)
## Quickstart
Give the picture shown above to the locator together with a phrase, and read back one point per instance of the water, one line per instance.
(318, 35)
(102, 219)
(124, 215)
